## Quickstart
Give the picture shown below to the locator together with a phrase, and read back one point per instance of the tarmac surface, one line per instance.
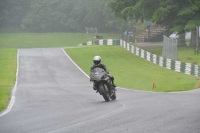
(54, 96)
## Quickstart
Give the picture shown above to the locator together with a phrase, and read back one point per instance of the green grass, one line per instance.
(45, 40)
(8, 64)
(131, 71)
(4, 97)
(186, 54)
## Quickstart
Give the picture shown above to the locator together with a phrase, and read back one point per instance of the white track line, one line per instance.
(75, 63)
(12, 100)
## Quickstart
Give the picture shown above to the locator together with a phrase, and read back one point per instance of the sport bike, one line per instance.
(103, 83)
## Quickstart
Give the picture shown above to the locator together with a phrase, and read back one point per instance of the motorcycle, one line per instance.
(103, 84)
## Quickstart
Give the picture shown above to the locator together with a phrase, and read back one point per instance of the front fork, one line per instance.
(107, 83)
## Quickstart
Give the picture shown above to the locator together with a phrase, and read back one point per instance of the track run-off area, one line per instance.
(53, 95)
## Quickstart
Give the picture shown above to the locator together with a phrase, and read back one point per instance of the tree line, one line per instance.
(176, 15)
(59, 16)
(105, 15)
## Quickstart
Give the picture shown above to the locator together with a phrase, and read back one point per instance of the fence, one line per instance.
(103, 42)
(186, 68)
(169, 49)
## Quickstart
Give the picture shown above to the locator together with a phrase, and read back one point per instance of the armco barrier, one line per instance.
(103, 42)
(177, 66)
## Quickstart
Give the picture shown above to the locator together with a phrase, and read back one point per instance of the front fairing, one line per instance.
(97, 74)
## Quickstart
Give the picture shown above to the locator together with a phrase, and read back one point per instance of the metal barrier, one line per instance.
(169, 49)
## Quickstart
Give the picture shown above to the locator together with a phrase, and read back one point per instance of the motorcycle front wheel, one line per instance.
(104, 93)
(113, 97)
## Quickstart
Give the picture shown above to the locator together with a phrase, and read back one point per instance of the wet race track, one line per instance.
(53, 95)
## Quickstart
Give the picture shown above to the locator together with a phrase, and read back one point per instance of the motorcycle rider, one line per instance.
(97, 63)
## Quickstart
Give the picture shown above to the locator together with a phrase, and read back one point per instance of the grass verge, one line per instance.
(46, 40)
(8, 63)
(4, 97)
(131, 71)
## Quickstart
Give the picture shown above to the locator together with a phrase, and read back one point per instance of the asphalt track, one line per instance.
(53, 95)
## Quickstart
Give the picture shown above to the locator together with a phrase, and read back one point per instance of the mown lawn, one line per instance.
(46, 40)
(8, 64)
(131, 71)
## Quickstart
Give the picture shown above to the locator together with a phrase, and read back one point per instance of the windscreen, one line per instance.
(96, 74)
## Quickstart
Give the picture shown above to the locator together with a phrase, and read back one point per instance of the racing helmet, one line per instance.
(97, 60)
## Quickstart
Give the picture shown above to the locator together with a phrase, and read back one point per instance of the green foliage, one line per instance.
(58, 16)
(192, 23)
(75, 15)
(179, 15)
(12, 13)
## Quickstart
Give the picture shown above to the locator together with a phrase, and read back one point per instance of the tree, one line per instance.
(12, 13)
(166, 15)
(60, 16)
(179, 16)
(192, 12)
(182, 15)
(70, 15)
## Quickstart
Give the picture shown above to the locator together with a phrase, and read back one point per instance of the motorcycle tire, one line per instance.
(104, 93)
(113, 97)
